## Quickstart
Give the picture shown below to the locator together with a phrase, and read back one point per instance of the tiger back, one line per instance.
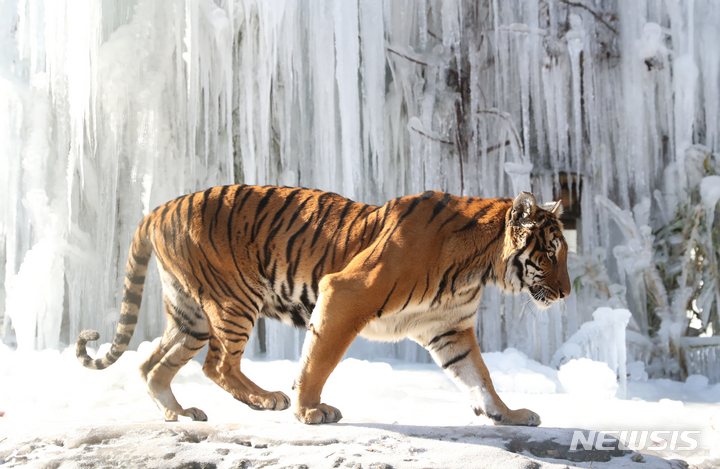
(413, 267)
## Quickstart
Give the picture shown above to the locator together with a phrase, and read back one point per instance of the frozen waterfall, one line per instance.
(109, 108)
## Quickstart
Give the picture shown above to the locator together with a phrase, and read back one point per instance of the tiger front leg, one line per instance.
(458, 354)
(333, 326)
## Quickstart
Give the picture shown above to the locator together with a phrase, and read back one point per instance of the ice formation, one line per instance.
(109, 108)
(601, 340)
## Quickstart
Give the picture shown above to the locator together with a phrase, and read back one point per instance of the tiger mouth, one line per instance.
(542, 296)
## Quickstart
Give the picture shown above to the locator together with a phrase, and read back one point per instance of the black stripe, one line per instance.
(272, 274)
(165, 209)
(349, 229)
(121, 339)
(290, 282)
(215, 219)
(266, 248)
(291, 241)
(182, 314)
(139, 260)
(177, 225)
(531, 263)
(409, 298)
(438, 337)
(202, 336)
(216, 284)
(128, 319)
(242, 314)
(264, 201)
(380, 311)
(441, 287)
(188, 215)
(238, 340)
(467, 316)
(234, 323)
(455, 360)
(230, 331)
(135, 279)
(500, 234)
(300, 209)
(192, 348)
(449, 342)
(345, 211)
(478, 215)
(130, 297)
(320, 223)
(439, 207)
(317, 272)
(519, 268)
(288, 199)
(427, 287)
(206, 199)
(488, 274)
(219, 199)
(257, 224)
(297, 317)
(305, 300)
(449, 219)
(234, 209)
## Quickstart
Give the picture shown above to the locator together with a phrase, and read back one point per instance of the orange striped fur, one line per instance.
(414, 267)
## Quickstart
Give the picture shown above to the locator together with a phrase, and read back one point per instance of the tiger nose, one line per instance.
(563, 294)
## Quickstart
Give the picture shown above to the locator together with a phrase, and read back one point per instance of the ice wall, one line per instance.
(108, 108)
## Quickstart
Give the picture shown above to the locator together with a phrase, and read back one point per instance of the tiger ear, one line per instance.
(556, 208)
(523, 207)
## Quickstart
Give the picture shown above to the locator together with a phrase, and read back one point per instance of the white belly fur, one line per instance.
(418, 323)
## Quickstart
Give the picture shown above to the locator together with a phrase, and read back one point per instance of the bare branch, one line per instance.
(595, 14)
(406, 57)
(446, 142)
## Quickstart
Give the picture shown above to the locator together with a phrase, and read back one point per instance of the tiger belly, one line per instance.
(420, 323)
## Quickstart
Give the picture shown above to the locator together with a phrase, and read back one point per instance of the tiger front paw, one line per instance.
(321, 413)
(524, 417)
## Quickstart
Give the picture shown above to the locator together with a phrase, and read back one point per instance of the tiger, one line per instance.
(413, 267)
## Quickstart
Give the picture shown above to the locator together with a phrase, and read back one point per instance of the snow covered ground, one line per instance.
(58, 414)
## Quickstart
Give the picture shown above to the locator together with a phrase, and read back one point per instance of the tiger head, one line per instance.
(536, 251)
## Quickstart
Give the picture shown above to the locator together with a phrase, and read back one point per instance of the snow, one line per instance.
(397, 413)
(584, 377)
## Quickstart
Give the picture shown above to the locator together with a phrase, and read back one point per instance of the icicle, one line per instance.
(347, 51)
(373, 80)
(575, 43)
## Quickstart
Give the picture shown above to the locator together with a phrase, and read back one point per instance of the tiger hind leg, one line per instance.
(230, 334)
(186, 333)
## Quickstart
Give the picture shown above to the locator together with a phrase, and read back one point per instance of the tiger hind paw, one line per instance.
(267, 401)
(193, 412)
